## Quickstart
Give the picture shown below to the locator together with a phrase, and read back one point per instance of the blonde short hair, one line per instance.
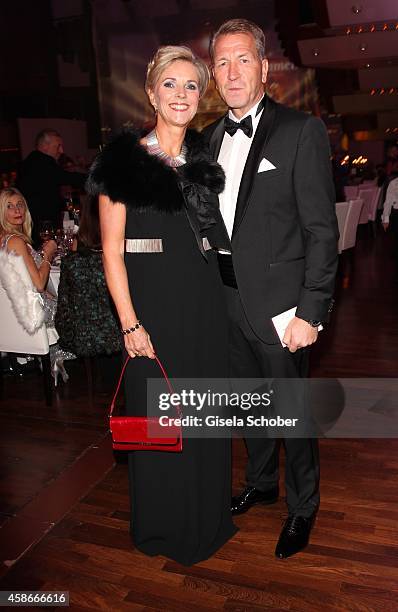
(6, 227)
(169, 54)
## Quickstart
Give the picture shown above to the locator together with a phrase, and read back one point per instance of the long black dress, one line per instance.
(180, 503)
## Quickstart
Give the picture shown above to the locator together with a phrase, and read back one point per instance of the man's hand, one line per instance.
(385, 226)
(299, 334)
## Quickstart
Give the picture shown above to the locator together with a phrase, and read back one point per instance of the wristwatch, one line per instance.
(313, 322)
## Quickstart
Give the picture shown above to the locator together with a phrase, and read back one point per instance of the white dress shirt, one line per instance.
(232, 157)
(391, 200)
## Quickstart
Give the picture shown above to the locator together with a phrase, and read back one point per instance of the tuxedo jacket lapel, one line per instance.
(216, 139)
(260, 139)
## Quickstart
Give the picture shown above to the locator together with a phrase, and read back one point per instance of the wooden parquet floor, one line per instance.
(58, 481)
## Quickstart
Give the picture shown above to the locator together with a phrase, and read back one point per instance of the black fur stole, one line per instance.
(126, 173)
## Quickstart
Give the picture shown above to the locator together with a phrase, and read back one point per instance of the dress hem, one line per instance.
(190, 562)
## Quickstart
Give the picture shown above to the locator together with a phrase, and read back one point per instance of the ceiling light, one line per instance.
(367, 65)
(363, 47)
(315, 52)
(356, 9)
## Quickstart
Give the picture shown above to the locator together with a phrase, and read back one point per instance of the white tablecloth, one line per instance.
(54, 279)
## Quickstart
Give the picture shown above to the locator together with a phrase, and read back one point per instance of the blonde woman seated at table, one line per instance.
(15, 237)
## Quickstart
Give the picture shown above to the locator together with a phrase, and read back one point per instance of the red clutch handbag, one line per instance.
(144, 433)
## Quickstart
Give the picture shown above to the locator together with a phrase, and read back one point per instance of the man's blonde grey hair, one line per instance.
(44, 136)
(165, 56)
(240, 26)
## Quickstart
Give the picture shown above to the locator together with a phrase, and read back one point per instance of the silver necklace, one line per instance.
(154, 149)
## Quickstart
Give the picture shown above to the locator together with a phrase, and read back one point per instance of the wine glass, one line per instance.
(69, 239)
(46, 230)
(61, 245)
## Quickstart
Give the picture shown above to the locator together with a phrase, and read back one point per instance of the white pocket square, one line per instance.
(265, 165)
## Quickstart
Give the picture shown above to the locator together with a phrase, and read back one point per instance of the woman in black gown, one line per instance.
(159, 217)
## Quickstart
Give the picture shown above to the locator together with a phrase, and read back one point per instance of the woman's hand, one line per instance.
(138, 344)
(49, 248)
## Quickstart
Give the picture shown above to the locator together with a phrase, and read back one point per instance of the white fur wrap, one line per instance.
(26, 301)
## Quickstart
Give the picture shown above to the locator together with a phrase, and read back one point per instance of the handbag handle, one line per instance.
(168, 383)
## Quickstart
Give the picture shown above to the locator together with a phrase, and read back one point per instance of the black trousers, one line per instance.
(252, 358)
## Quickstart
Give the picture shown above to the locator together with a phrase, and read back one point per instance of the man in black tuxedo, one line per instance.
(279, 209)
(40, 178)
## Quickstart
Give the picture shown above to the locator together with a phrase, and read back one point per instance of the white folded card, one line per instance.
(282, 320)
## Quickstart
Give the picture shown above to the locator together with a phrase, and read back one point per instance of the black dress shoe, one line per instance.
(294, 536)
(251, 496)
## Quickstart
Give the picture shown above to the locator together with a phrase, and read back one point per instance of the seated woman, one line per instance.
(85, 319)
(15, 236)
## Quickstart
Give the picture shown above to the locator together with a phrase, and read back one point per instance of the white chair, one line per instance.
(367, 196)
(348, 237)
(341, 214)
(375, 204)
(351, 192)
(15, 339)
(377, 195)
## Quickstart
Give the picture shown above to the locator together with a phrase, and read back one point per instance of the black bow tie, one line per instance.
(246, 125)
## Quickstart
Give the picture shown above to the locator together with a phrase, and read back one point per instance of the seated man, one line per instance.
(40, 179)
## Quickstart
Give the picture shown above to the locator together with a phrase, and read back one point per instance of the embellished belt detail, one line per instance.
(144, 245)
(153, 245)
